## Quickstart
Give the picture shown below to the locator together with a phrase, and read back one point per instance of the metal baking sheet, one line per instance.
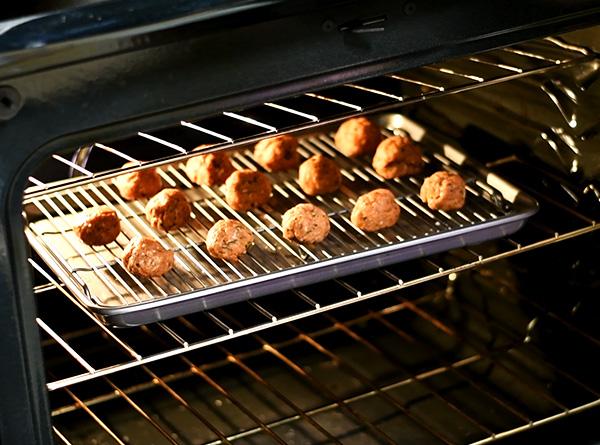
(198, 282)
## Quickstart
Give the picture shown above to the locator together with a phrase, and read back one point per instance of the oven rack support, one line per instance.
(314, 109)
(498, 355)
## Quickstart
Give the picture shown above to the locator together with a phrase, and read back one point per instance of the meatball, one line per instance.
(209, 169)
(375, 210)
(139, 184)
(278, 153)
(228, 239)
(246, 189)
(305, 223)
(319, 175)
(357, 136)
(168, 210)
(444, 191)
(397, 156)
(100, 226)
(147, 258)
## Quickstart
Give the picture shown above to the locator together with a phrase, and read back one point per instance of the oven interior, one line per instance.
(482, 343)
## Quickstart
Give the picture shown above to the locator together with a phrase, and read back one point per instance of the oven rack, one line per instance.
(422, 397)
(279, 309)
(232, 129)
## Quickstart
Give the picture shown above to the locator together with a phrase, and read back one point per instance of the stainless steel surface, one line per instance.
(97, 277)
(332, 105)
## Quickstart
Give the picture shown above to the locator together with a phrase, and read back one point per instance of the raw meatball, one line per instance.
(209, 169)
(375, 210)
(246, 189)
(305, 223)
(278, 153)
(228, 239)
(147, 258)
(319, 175)
(168, 210)
(140, 184)
(357, 136)
(397, 156)
(100, 226)
(444, 191)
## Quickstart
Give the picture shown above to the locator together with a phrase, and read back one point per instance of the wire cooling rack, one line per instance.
(197, 282)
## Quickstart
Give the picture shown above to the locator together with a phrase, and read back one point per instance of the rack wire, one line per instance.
(233, 129)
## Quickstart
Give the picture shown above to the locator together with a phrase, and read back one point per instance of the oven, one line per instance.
(468, 326)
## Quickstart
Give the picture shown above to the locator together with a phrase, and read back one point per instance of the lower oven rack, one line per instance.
(429, 399)
(97, 277)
